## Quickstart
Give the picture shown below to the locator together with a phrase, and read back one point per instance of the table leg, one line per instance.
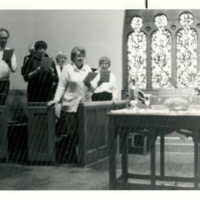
(125, 155)
(118, 143)
(196, 164)
(112, 147)
(162, 156)
(152, 141)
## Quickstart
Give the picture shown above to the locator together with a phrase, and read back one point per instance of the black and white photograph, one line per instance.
(100, 96)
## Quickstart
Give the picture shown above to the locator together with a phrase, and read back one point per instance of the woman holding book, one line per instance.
(71, 91)
(39, 72)
(7, 63)
(107, 87)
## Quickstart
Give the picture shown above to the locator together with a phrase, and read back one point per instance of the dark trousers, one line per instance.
(4, 89)
(67, 126)
(102, 96)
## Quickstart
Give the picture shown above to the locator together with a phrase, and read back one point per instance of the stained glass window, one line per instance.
(161, 54)
(186, 52)
(136, 53)
(161, 49)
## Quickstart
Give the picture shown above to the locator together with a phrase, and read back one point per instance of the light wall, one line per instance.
(100, 32)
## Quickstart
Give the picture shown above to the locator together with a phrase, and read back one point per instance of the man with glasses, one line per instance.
(6, 65)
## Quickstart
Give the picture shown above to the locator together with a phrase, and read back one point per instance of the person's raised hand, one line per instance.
(39, 68)
(87, 84)
(99, 82)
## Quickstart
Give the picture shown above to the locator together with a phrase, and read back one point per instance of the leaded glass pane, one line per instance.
(161, 54)
(136, 52)
(186, 52)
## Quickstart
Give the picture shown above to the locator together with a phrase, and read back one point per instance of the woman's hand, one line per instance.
(99, 83)
(52, 103)
(114, 100)
(87, 84)
(35, 72)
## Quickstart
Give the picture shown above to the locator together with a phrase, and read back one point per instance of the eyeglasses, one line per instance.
(3, 38)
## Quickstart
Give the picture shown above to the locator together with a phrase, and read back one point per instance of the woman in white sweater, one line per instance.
(71, 91)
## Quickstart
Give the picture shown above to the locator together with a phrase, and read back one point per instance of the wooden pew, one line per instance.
(3, 133)
(41, 133)
(41, 128)
(93, 130)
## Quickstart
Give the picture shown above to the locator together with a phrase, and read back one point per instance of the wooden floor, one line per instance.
(179, 161)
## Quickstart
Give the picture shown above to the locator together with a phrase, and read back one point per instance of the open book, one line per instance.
(46, 62)
(90, 76)
(7, 54)
(105, 76)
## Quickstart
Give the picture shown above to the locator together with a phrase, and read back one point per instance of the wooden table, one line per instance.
(158, 124)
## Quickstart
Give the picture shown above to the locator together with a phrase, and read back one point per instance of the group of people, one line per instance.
(61, 83)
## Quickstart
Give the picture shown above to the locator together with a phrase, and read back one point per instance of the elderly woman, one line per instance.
(105, 91)
(61, 59)
(40, 79)
(5, 65)
(71, 91)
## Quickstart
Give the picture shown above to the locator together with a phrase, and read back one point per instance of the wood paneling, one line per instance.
(3, 132)
(93, 130)
(41, 134)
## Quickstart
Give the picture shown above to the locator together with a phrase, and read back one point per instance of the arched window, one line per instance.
(161, 54)
(136, 53)
(186, 54)
(160, 49)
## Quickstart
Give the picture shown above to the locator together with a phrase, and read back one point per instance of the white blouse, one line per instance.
(4, 68)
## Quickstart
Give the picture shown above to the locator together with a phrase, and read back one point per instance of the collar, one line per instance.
(58, 66)
(76, 68)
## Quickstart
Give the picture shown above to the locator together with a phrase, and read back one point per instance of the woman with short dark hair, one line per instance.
(40, 79)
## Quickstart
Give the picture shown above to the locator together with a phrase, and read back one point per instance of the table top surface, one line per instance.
(151, 112)
(128, 119)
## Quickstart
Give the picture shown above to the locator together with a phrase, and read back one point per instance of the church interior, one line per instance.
(146, 140)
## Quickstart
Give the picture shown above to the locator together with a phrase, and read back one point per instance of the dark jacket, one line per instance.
(40, 87)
